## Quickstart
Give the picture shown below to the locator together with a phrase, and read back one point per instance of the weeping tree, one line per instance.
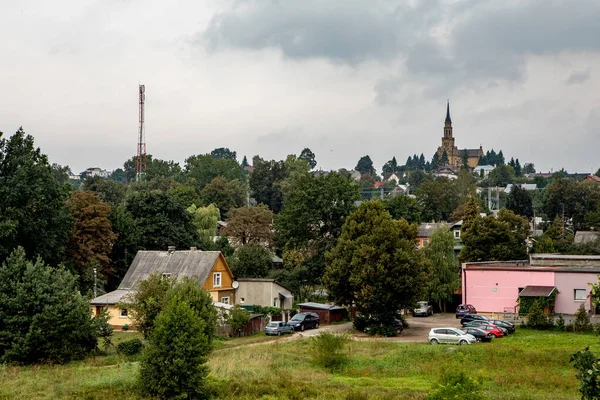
(445, 276)
(205, 219)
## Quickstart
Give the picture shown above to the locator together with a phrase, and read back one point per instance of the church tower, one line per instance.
(448, 139)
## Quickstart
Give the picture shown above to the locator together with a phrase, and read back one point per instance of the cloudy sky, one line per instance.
(344, 78)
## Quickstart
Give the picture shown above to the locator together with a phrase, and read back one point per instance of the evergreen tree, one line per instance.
(308, 156)
(512, 162)
(409, 162)
(435, 160)
(465, 158)
(365, 166)
(390, 166)
(245, 162)
(500, 158)
(520, 201)
(444, 159)
(517, 167)
(422, 161)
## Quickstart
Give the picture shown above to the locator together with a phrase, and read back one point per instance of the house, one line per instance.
(391, 176)
(209, 267)
(592, 178)
(378, 185)
(483, 170)
(582, 237)
(445, 171)
(328, 313)
(526, 186)
(95, 171)
(263, 292)
(424, 232)
(496, 286)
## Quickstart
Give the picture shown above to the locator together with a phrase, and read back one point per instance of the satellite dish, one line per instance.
(235, 284)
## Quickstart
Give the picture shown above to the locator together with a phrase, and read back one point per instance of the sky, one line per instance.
(344, 78)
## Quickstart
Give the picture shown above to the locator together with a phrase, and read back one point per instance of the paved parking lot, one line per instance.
(419, 328)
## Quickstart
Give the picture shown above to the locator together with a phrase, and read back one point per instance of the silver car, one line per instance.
(450, 335)
(278, 328)
(423, 308)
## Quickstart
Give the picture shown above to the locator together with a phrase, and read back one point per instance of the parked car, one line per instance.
(464, 309)
(450, 335)
(510, 327)
(374, 322)
(480, 334)
(472, 317)
(493, 329)
(302, 321)
(423, 308)
(278, 328)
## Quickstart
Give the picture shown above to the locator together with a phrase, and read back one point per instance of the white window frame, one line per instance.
(121, 315)
(225, 300)
(217, 282)
(578, 298)
(457, 234)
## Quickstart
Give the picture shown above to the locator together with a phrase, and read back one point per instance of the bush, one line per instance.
(330, 350)
(130, 347)
(588, 365)
(560, 323)
(457, 385)
(582, 320)
(537, 318)
(125, 327)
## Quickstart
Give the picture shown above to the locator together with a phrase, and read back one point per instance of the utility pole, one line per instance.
(95, 282)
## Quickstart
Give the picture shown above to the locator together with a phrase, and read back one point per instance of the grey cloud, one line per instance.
(579, 77)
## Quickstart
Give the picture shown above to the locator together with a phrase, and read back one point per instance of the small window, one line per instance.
(275, 302)
(457, 234)
(217, 279)
(123, 313)
(579, 294)
(225, 300)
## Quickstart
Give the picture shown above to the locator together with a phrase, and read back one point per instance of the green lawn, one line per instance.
(528, 365)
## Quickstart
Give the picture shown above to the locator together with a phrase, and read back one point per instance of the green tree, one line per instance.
(365, 166)
(251, 261)
(592, 219)
(224, 194)
(520, 201)
(415, 179)
(266, 182)
(118, 175)
(390, 167)
(160, 221)
(90, 244)
(435, 160)
(185, 195)
(495, 239)
(438, 198)
(444, 159)
(125, 247)
(529, 168)
(250, 225)
(502, 175)
(109, 191)
(33, 213)
(465, 159)
(445, 275)
(404, 207)
(43, 317)
(308, 156)
(465, 184)
(204, 168)
(245, 162)
(225, 153)
(174, 363)
(237, 318)
(375, 264)
(569, 199)
(205, 219)
(588, 366)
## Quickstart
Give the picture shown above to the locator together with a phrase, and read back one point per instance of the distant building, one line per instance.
(486, 169)
(526, 186)
(445, 171)
(95, 171)
(592, 178)
(455, 156)
(582, 237)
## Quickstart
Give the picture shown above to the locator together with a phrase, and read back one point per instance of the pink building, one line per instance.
(495, 286)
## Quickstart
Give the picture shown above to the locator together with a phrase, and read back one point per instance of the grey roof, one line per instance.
(192, 263)
(537, 291)
(484, 167)
(586, 236)
(109, 298)
(526, 186)
(320, 306)
(425, 230)
(448, 120)
(245, 280)
(470, 152)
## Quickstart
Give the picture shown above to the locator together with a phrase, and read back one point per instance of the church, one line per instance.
(455, 156)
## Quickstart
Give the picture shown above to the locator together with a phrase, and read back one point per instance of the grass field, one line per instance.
(528, 365)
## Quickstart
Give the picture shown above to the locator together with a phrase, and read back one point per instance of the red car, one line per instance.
(493, 329)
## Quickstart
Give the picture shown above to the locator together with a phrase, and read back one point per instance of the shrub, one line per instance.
(330, 350)
(582, 320)
(560, 323)
(125, 327)
(588, 366)
(457, 385)
(536, 318)
(237, 319)
(130, 347)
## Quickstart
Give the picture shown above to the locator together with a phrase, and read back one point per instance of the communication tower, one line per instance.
(140, 161)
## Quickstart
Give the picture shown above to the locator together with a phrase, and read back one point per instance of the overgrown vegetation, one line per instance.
(588, 366)
(537, 318)
(330, 350)
(130, 347)
(457, 385)
(582, 323)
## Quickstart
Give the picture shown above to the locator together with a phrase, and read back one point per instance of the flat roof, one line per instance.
(499, 266)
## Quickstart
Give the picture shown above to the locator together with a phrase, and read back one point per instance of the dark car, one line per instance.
(464, 309)
(510, 327)
(472, 317)
(302, 321)
(480, 334)
(374, 322)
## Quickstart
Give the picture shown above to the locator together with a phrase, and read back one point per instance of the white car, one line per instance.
(450, 335)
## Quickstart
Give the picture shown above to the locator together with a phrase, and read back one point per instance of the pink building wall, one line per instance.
(566, 283)
(497, 290)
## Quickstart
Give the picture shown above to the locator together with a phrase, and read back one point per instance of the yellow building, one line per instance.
(455, 156)
(208, 267)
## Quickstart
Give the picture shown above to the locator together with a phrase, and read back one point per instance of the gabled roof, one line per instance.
(377, 185)
(192, 263)
(593, 178)
(320, 306)
(110, 298)
(470, 152)
(537, 291)
(425, 230)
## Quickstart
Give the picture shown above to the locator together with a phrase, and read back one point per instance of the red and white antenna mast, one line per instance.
(140, 161)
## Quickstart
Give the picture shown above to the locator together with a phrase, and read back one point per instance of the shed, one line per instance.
(328, 313)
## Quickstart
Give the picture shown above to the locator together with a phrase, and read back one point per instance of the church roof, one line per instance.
(448, 120)
(470, 152)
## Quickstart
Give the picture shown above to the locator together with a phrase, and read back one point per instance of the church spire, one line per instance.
(448, 120)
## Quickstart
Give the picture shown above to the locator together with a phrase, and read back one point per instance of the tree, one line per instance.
(465, 159)
(404, 207)
(375, 264)
(173, 365)
(90, 243)
(266, 182)
(502, 175)
(224, 153)
(125, 247)
(108, 191)
(592, 218)
(185, 195)
(517, 167)
(224, 194)
(435, 160)
(237, 319)
(365, 166)
(160, 221)
(118, 175)
(43, 317)
(520, 201)
(146, 301)
(445, 274)
(421, 162)
(495, 239)
(588, 366)
(438, 198)
(251, 261)
(390, 167)
(444, 159)
(571, 200)
(415, 179)
(205, 219)
(308, 156)
(250, 225)
(245, 162)
(529, 168)
(500, 158)
(33, 213)
(465, 184)
(204, 168)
